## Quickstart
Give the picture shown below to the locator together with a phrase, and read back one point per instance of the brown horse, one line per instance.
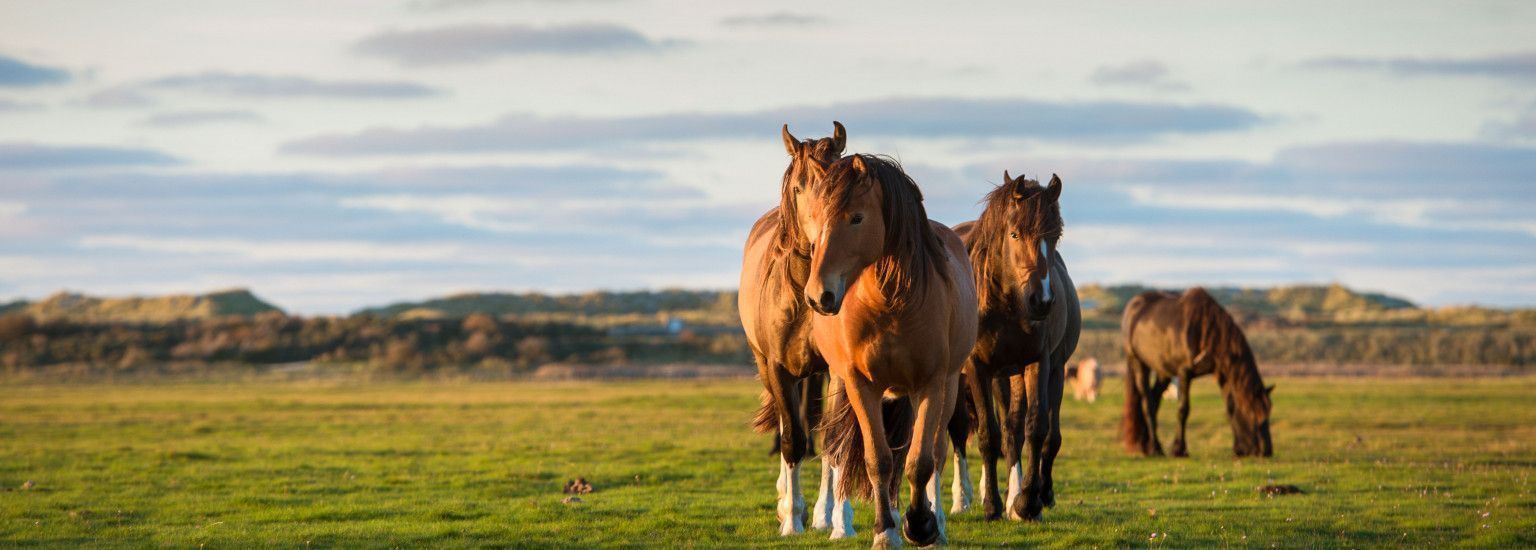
(1030, 321)
(1168, 336)
(897, 317)
(777, 323)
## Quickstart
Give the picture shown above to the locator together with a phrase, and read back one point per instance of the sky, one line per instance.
(342, 154)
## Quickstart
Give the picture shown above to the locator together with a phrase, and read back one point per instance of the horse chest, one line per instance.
(1005, 346)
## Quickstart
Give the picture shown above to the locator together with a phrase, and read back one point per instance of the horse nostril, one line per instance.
(826, 298)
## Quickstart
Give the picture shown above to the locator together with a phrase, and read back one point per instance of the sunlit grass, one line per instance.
(1383, 463)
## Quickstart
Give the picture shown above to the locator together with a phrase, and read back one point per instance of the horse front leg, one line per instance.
(988, 440)
(1179, 446)
(1055, 391)
(1015, 425)
(790, 509)
(832, 512)
(1036, 413)
(879, 464)
(924, 519)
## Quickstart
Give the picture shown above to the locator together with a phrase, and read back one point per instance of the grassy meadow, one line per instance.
(1383, 462)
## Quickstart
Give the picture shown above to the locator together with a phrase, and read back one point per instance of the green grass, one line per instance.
(1383, 463)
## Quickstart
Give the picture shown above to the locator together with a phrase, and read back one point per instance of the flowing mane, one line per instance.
(791, 238)
(1211, 331)
(1017, 205)
(913, 253)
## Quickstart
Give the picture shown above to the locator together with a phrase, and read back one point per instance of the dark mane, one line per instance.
(913, 252)
(1212, 331)
(1017, 205)
(791, 238)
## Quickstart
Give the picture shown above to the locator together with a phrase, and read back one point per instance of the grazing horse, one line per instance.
(1169, 336)
(777, 324)
(897, 316)
(1085, 380)
(1030, 321)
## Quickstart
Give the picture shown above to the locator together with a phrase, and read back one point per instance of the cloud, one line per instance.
(18, 73)
(445, 5)
(1149, 73)
(278, 250)
(1522, 126)
(483, 42)
(28, 156)
(193, 118)
(780, 19)
(254, 85)
(1514, 65)
(117, 98)
(13, 106)
(911, 117)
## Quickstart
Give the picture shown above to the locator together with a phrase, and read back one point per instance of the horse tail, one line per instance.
(843, 441)
(1134, 432)
(962, 420)
(767, 418)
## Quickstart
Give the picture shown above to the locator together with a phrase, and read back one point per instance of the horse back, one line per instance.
(1155, 332)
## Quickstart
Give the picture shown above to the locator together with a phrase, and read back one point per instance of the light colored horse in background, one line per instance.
(1084, 378)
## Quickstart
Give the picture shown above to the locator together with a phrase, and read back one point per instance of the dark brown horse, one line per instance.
(777, 322)
(1167, 336)
(897, 317)
(1030, 321)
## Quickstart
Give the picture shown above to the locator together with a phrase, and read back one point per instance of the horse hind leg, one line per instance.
(832, 512)
(961, 490)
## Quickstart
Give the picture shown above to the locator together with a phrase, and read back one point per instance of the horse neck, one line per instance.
(1241, 384)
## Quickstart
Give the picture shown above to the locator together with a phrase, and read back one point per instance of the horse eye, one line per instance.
(858, 218)
(1014, 234)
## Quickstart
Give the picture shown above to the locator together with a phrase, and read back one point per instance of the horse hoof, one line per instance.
(1048, 498)
(888, 538)
(1025, 509)
(920, 527)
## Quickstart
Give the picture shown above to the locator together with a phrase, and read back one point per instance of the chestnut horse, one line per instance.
(1030, 321)
(897, 316)
(777, 324)
(1168, 337)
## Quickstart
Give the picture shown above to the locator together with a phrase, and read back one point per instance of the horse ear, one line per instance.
(858, 164)
(1007, 179)
(839, 138)
(1053, 190)
(1269, 390)
(791, 145)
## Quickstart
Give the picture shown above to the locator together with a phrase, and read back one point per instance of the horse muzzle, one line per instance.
(826, 304)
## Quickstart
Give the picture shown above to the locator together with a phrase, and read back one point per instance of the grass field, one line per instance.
(1384, 462)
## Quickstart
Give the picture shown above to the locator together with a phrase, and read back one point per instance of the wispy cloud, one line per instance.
(1513, 65)
(914, 117)
(773, 20)
(257, 85)
(17, 73)
(483, 42)
(30, 156)
(117, 98)
(445, 5)
(278, 250)
(195, 118)
(11, 105)
(1147, 73)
